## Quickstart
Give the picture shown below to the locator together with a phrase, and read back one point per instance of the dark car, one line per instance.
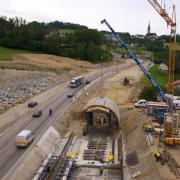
(32, 104)
(87, 82)
(70, 95)
(37, 113)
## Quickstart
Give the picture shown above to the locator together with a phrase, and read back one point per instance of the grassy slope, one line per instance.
(136, 50)
(160, 76)
(7, 53)
(66, 31)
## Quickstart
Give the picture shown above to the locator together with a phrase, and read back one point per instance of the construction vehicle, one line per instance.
(138, 62)
(142, 103)
(125, 81)
(163, 96)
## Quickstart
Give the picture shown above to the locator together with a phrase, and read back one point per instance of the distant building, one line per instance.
(50, 34)
(140, 36)
(149, 35)
(110, 36)
(133, 45)
(163, 67)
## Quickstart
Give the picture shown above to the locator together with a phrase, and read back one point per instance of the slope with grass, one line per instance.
(161, 77)
(8, 53)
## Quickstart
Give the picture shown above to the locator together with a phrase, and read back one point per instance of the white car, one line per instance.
(141, 103)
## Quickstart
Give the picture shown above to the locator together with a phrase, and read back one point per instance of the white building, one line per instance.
(163, 67)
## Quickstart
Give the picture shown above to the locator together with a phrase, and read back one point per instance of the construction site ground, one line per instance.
(134, 137)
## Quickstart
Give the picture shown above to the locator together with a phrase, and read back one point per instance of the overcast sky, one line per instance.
(124, 15)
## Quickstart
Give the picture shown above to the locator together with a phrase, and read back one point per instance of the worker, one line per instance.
(50, 112)
(101, 170)
(105, 177)
(157, 156)
(110, 157)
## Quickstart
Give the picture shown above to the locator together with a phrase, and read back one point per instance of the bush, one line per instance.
(148, 93)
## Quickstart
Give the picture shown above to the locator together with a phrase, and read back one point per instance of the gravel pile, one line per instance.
(12, 95)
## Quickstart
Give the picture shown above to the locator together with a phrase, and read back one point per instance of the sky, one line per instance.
(130, 16)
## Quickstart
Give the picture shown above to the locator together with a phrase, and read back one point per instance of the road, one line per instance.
(9, 154)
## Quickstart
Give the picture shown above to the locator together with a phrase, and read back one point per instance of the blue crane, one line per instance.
(147, 74)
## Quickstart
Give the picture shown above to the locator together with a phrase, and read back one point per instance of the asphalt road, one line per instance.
(9, 154)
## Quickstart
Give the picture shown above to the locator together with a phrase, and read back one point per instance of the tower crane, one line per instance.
(171, 64)
(172, 47)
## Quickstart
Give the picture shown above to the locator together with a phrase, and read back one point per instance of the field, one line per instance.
(136, 50)
(8, 53)
(160, 76)
(64, 31)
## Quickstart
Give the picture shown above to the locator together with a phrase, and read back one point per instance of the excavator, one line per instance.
(125, 81)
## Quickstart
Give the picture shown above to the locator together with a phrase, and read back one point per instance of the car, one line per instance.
(37, 113)
(70, 95)
(141, 103)
(87, 82)
(32, 104)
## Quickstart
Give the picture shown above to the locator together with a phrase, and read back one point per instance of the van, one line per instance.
(24, 138)
(141, 103)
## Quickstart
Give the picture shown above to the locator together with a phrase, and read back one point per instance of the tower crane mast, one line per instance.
(172, 47)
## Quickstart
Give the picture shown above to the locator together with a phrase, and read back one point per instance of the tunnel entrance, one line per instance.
(101, 115)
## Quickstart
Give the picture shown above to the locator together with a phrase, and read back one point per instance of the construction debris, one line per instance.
(132, 159)
(172, 163)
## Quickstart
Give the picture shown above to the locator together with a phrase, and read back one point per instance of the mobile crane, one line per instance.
(169, 126)
(147, 74)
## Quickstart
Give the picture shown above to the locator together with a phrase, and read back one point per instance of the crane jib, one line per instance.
(147, 74)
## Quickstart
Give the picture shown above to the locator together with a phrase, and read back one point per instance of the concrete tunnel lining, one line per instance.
(104, 105)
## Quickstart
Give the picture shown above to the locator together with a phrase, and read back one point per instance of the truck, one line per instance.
(77, 81)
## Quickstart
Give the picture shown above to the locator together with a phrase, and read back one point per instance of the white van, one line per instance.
(24, 138)
(141, 103)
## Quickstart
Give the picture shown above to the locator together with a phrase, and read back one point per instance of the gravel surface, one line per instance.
(16, 86)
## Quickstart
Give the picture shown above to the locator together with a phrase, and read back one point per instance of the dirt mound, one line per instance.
(52, 61)
(63, 65)
(49, 63)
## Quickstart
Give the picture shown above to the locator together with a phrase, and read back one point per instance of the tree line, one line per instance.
(83, 43)
(159, 47)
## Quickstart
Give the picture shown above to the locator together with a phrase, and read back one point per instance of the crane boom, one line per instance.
(147, 74)
(172, 47)
(162, 12)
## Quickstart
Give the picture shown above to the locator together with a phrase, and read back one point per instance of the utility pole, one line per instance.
(101, 68)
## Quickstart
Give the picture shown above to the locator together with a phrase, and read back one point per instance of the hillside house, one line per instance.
(163, 67)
